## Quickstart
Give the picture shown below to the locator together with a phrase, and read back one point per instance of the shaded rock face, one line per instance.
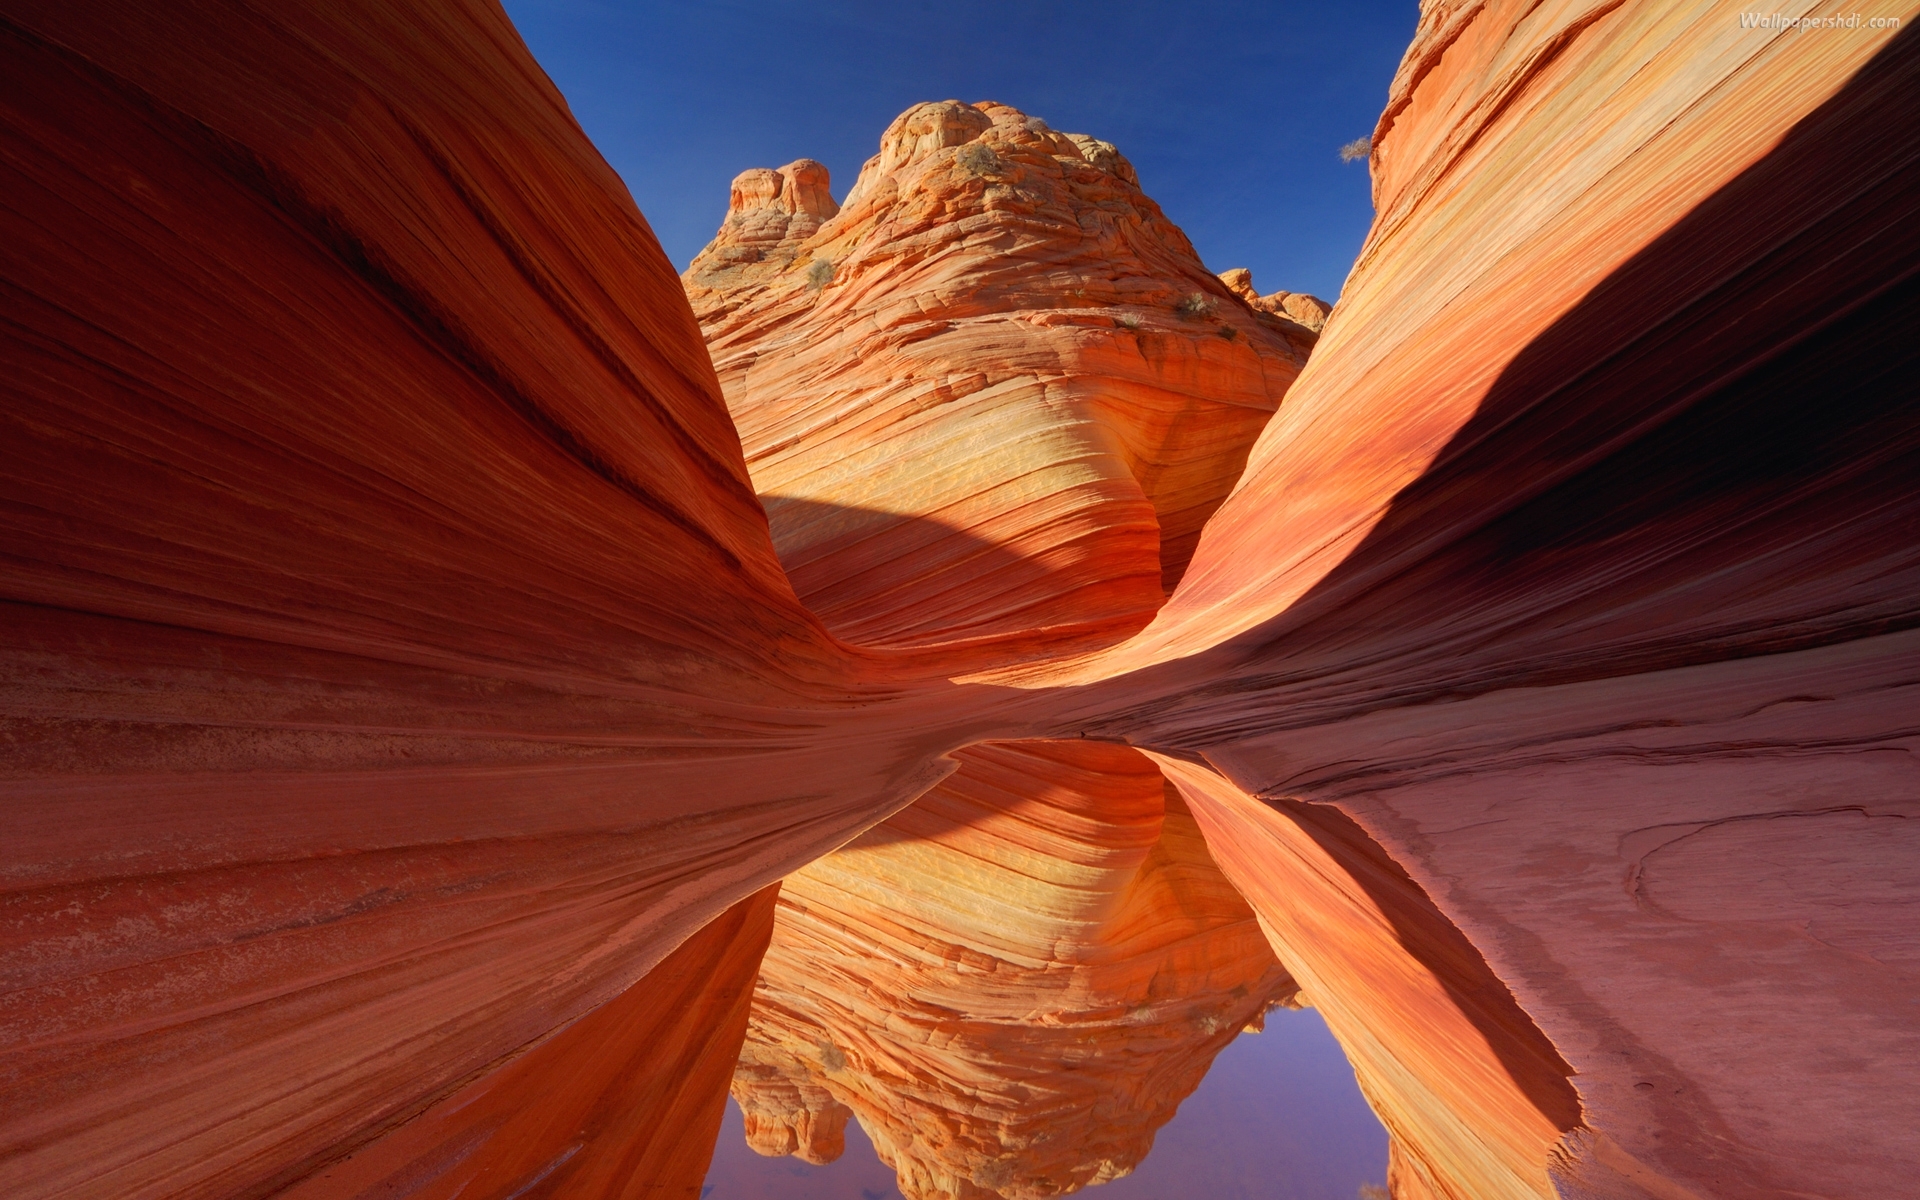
(393, 658)
(1578, 573)
(1012, 983)
(407, 713)
(993, 395)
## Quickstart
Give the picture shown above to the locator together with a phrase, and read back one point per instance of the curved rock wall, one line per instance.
(1578, 571)
(397, 666)
(395, 662)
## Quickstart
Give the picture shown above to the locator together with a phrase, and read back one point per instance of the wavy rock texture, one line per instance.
(396, 665)
(990, 400)
(1578, 571)
(1012, 983)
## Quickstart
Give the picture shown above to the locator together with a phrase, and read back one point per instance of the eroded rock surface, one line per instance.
(1583, 546)
(398, 671)
(991, 398)
(1309, 312)
(394, 663)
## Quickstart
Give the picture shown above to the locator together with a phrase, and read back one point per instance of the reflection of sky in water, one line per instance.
(1279, 1117)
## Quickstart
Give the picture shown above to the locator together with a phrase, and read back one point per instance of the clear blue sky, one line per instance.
(1232, 110)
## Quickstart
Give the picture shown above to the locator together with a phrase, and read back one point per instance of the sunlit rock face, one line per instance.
(1012, 983)
(407, 711)
(989, 399)
(1297, 308)
(1578, 573)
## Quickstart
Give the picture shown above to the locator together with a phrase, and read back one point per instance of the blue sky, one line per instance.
(1232, 110)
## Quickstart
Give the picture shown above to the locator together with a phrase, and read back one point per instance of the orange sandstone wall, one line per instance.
(994, 393)
(1537, 352)
(394, 664)
(1578, 572)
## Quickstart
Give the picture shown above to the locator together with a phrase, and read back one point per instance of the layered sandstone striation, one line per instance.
(1012, 983)
(407, 710)
(1578, 573)
(394, 662)
(990, 399)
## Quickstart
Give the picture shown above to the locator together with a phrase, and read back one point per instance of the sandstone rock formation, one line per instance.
(1008, 1007)
(1298, 307)
(1012, 983)
(399, 675)
(990, 400)
(396, 665)
(1578, 571)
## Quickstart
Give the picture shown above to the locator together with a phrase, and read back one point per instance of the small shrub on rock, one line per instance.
(1195, 305)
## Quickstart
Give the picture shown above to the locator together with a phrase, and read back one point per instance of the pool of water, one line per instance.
(1278, 1117)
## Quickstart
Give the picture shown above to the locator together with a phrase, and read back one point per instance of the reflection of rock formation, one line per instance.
(397, 668)
(997, 393)
(637, 1083)
(1456, 1070)
(1012, 983)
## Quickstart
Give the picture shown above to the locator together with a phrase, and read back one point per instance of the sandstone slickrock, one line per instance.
(396, 665)
(991, 398)
(398, 668)
(1579, 571)
(1012, 983)
(1307, 311)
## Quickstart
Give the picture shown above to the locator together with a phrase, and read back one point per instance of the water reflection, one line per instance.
(1012, 984)
(1279, 1117)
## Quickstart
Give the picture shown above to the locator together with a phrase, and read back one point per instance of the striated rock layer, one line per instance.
(1579, 573)
(1011, 983)
(398, 671)
(990, 400)
(394, 664)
